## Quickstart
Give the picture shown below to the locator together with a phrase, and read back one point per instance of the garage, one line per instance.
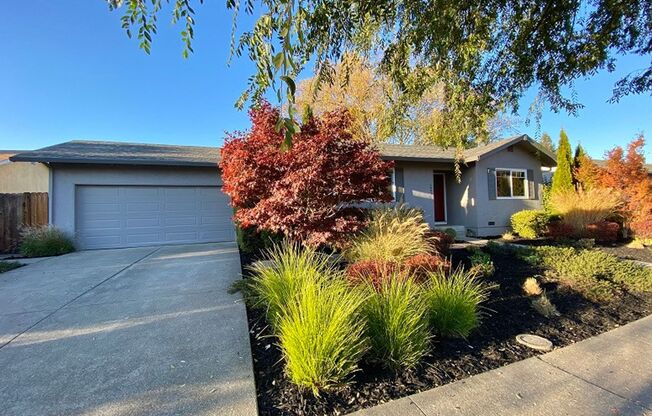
(115, 194)
(131, 216)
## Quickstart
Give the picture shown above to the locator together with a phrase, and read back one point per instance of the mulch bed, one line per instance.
(508, 313)
(624, 252)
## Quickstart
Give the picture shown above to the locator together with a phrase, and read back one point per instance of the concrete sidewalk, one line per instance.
(610, 374)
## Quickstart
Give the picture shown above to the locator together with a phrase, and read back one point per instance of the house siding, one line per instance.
(499, 211)
(417, 179)
(66, 177)
(461, 201)
(19, 177)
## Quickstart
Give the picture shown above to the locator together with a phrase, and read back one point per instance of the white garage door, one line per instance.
(130, 216)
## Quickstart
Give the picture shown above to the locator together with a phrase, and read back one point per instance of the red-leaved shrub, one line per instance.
(422, 264)
(560, 230)
(309, 190)
(603, 231)
(373, 271)
(440, 241)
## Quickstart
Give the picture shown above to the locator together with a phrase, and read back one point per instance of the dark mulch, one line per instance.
(624, 252)
(492, 345)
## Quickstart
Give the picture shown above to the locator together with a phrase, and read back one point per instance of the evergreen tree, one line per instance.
(562, 180)
(546, 141)
(578, 159)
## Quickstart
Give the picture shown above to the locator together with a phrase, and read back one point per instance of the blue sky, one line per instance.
(70, 72)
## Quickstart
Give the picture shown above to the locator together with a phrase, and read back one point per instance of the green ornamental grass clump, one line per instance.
(454, 302)
(397, 322)
(45, 241)
(321, 334)
(393, 233)
(275, 283)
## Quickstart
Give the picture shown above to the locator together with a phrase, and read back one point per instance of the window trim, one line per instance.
(511, 185)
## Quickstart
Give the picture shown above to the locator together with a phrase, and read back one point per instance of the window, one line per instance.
(511, 183)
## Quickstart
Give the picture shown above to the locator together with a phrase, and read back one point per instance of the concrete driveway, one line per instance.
(136, 331)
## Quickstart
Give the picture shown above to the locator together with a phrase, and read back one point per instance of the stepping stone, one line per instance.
(534, 341)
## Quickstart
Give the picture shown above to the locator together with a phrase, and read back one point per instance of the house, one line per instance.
(494, 181)
(19, 177)
(112, 195)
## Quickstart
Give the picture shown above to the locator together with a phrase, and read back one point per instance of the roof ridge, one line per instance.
(86, 141)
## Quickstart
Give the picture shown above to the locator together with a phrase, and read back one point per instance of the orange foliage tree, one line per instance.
(626, 172)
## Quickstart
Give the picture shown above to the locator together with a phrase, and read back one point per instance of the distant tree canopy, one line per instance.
(546, 141)
(484, 54)
(381, 114)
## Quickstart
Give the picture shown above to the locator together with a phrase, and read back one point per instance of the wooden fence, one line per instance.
(17, 211)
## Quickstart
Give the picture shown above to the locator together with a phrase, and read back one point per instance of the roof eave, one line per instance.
(131, 162)
(417, 159)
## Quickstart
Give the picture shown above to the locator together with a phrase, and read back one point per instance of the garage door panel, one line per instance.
(172, 221)
(139, 193)
(128, 216)
(100, 224)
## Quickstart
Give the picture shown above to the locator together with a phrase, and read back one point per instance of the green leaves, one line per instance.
(486, 53)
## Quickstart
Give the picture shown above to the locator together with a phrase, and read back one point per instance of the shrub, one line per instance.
(451, 232)
(531, 287)
(252, 241)
(394, 233)
(529, 223)
(321, 334)
(508, 236)
(594, 273)
(581, 208)
(560, 230)
(421, 264)
(481, 262)
(454, 302)
(603, 231)
(373, 271)
(273, 286)
(308, 192)
(45, 241)
(397, 323)
(440, 242)
(5, 266)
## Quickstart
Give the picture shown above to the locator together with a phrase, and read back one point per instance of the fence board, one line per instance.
(28, 209)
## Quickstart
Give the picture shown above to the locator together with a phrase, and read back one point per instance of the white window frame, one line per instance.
(511, 185)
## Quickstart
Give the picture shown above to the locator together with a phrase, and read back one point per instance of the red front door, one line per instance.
(439, 196)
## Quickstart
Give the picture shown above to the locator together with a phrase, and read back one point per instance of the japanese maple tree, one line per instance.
(309, 191)
(625, 171)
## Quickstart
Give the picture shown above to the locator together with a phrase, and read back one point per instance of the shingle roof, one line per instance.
(434, 153)
(102, 152)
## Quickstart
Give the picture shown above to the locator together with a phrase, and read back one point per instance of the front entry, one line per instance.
(439, 196)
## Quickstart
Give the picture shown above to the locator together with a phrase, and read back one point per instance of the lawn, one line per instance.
(5, 266)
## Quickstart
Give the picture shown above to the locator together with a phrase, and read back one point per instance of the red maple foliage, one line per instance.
(421, 264)
(626, 171)
(306, 192)
(373, 271)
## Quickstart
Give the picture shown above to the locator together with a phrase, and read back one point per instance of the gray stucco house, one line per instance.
(112, 195)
